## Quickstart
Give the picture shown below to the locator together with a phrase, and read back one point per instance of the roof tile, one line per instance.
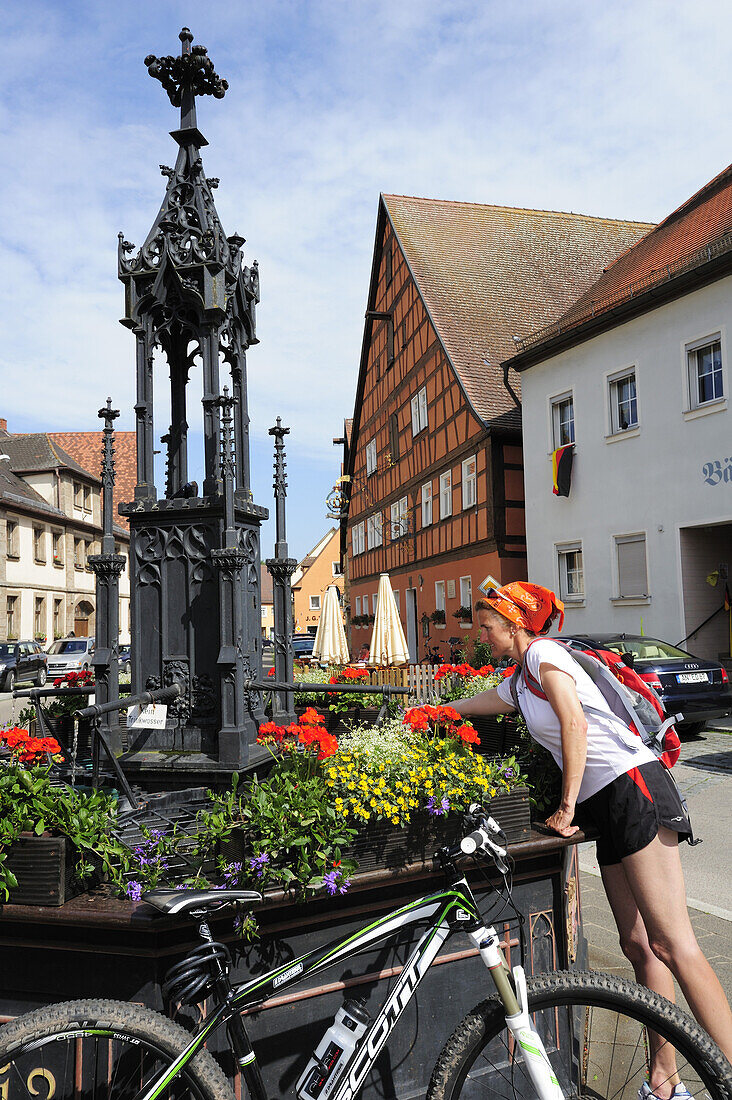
(488, 274)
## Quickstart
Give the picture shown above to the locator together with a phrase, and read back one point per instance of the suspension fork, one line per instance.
(511, 988)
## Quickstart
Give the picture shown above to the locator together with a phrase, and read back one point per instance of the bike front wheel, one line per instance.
(597, 1031)
(88, 1050)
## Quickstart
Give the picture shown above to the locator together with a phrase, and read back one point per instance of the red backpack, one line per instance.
(629, 698)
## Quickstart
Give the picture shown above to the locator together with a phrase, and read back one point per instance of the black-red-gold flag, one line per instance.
(562, 470)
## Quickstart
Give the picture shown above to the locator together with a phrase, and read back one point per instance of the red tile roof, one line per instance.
(86, 449)
(489, 273)
(698, 231)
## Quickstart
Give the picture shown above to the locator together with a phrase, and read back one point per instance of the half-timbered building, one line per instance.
(434, 478)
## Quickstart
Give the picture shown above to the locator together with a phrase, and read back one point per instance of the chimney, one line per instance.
(3, 425)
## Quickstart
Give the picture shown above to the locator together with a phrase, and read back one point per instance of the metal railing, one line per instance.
(94, 713)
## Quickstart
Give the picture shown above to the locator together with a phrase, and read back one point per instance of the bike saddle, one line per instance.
(173, 902)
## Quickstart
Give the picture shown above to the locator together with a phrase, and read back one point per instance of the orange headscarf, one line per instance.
(527, 605)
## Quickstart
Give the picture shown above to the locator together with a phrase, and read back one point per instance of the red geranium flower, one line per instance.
(467, 733)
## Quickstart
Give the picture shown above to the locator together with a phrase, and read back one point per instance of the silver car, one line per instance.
(70, 655)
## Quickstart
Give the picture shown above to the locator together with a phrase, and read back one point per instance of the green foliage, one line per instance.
(289, 819)
(30, 804)
(482, 654)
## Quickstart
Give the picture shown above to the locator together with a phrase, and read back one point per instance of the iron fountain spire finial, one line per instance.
(185, 77)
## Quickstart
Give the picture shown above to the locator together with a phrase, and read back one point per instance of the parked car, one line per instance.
(21, 661)
(693, 686)
(302, 645)
(70, 655)
(267, 643)
(125, 659)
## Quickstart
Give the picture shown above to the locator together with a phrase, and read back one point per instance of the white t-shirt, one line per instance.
(612, 748)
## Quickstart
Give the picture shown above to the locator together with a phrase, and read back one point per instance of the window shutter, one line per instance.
(632, 575)
(394, 437)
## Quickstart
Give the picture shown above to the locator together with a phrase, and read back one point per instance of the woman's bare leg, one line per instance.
(648, 970)
(656, 881)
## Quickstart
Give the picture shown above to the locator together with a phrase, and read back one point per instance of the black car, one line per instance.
(125, 659)
(302, 645)
(693, 686)
(20, 662)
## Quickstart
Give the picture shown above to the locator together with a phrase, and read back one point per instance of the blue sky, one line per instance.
(611, 108)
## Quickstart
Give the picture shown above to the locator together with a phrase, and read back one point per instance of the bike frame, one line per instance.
(445, 911)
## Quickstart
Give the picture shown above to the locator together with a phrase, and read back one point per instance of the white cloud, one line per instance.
(613, 109)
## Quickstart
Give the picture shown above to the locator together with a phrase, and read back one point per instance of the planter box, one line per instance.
(382, 845)
(497, 738)
(44, 868)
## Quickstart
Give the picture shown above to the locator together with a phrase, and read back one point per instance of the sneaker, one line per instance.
(680, 1092)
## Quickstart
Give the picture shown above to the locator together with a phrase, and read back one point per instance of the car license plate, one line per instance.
(692, 678)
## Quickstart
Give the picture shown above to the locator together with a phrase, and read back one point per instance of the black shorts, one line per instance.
(629, 811)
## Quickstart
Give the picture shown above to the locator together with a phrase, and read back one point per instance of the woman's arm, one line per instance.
(487, 702)
(562, 695)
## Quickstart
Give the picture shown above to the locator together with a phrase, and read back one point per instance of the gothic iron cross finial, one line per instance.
(108, 415)
(187, 76)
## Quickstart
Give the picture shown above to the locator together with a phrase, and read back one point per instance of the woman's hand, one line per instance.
(561, 822)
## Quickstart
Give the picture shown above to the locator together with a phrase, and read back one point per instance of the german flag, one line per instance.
(562, 470)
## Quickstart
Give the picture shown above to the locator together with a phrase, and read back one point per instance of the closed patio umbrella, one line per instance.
(330, 644)
(388, 644)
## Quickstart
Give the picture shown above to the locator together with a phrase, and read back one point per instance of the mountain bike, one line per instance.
(553, 1036)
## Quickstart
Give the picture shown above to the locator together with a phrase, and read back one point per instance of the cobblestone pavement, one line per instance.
(713, 934)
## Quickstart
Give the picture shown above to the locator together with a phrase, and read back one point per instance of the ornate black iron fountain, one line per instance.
(195, 556)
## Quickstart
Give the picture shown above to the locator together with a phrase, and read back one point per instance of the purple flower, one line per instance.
(437, 809)
(134, 890)
(508, 773)
(258, 863)
(335, 883)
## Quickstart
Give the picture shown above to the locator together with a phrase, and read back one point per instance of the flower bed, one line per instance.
(324, 809)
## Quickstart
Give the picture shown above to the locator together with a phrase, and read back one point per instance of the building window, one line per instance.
(39, 544)
(374, 530)
(57, 612)
(446, 494)
(358, 606)
(337, 569)
(78, 495)
(87, 499)
(427, 504)
(394, 437)
(704, 362)
(469, 494)
(365, 605)
(358, 544)
(79, 556)
(39, 616)
(632, 569)
(12, 612)
(315, 603)
(623, 402)
(58, 547)
(396, 598)
(563, 420)
(439, 595)
(419, 411)
(571, 571)
(371, 457)
(466, 592)
(12, 538)
(399, 518)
